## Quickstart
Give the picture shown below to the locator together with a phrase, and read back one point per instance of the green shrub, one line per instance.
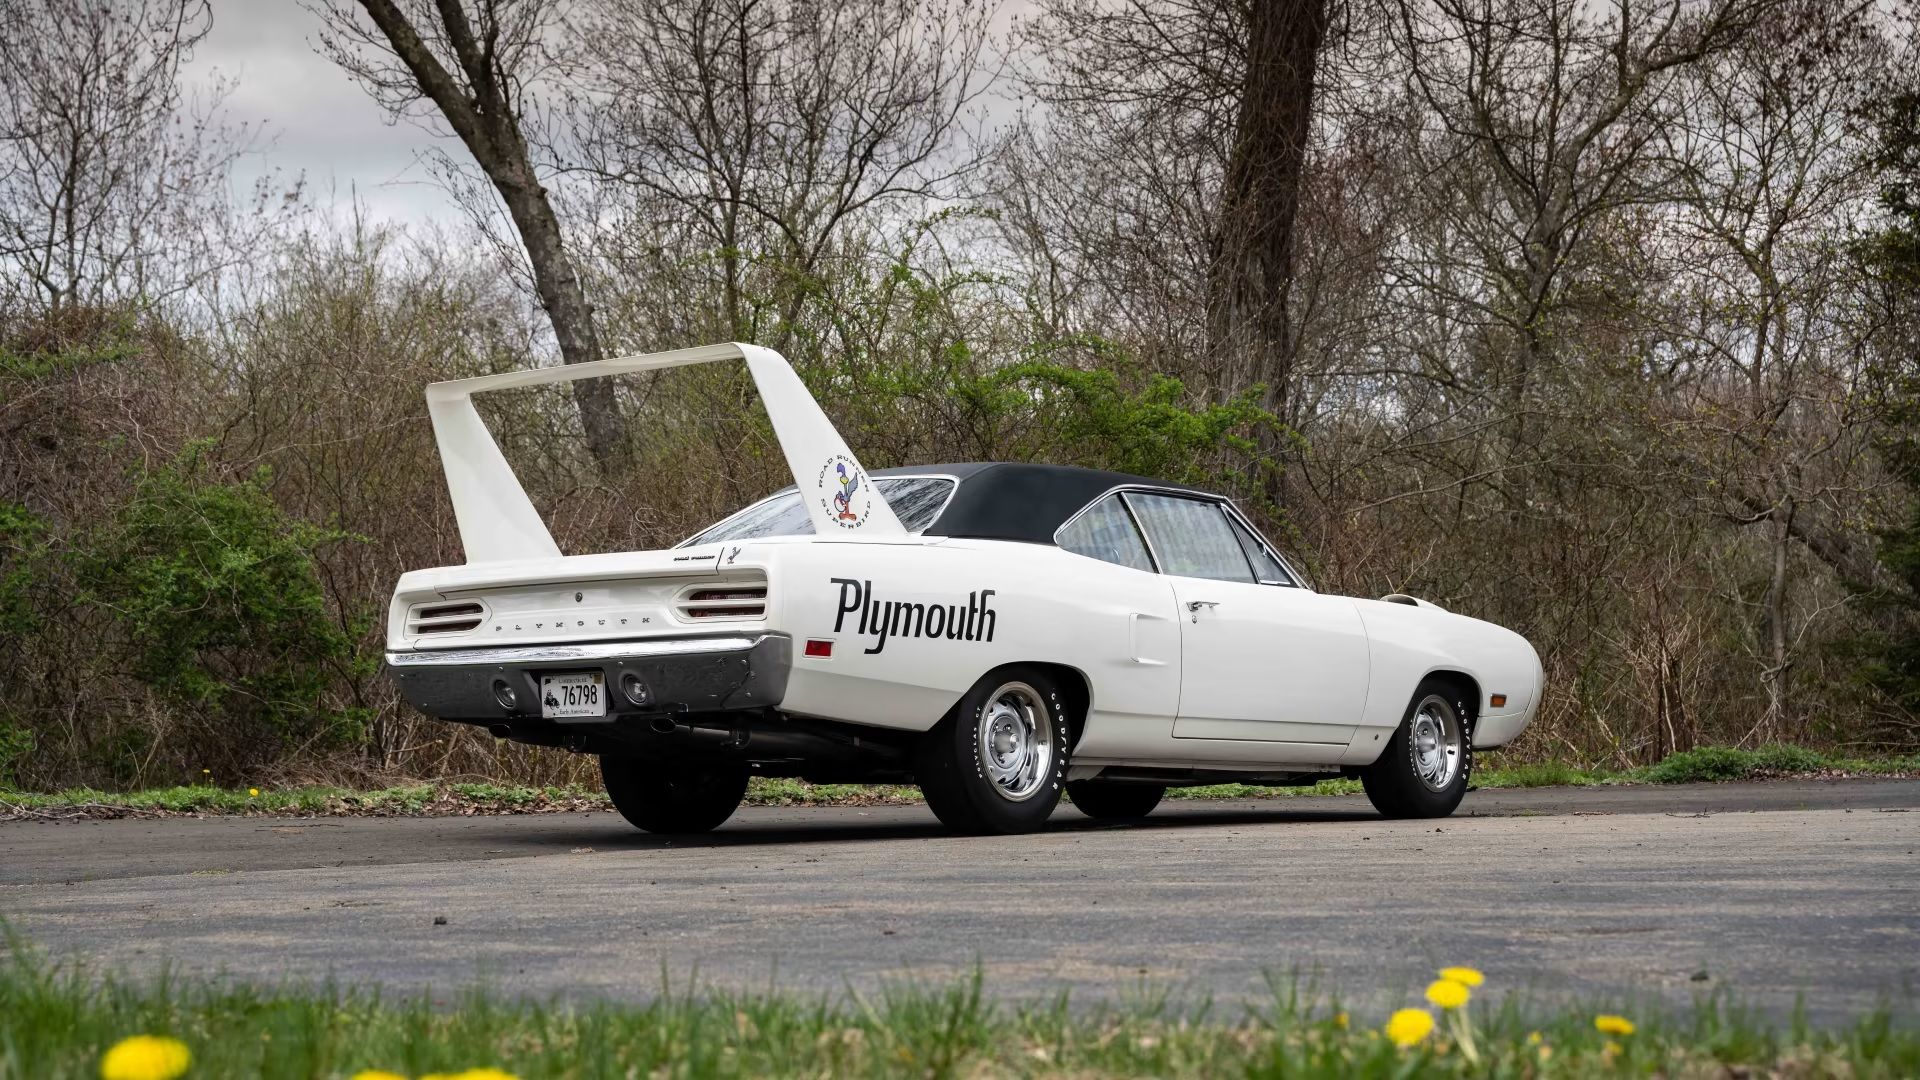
(215, 590)
(1707, 764)
(23, 546)
(1789, 759)
(16, 742)
(1129, 420)
(1702, 764)
(59, 344)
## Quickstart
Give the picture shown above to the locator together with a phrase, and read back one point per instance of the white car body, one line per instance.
(866, 626)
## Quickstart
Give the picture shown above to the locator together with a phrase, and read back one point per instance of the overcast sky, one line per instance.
(320, 122)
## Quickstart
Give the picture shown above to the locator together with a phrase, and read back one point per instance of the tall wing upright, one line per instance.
(498, 523)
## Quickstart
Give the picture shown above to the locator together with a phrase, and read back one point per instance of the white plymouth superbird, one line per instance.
(996, 633)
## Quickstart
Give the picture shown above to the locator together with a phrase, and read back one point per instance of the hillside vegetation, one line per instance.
(1598, 321)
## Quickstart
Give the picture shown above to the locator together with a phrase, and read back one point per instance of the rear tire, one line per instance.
(1104, 800)
(1427, 765)
(673, 796)
(998, 762)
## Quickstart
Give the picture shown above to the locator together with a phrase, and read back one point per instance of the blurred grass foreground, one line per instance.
(59, 1022)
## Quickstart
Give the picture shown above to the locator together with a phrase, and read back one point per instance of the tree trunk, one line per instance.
(479, 106)
(1774, 676)
(565, 301)
(1252, 269)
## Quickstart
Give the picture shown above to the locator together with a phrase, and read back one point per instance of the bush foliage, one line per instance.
(214, 593)
(164, 615)
(1670, 441)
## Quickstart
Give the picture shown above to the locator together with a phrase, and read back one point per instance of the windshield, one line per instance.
(916, 501)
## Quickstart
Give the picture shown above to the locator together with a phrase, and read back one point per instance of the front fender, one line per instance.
(1408, 642)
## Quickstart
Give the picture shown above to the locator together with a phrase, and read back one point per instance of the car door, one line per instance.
(1134, 662)
(1262, 658)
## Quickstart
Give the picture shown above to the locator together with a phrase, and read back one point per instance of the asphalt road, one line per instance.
(1766, 890)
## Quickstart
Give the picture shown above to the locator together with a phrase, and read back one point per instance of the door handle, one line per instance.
(1194, 606)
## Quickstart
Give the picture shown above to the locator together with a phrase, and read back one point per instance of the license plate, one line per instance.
(573, 694)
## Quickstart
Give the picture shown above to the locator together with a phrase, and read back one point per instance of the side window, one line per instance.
(1106, 532)
(782, 515)
(916, 500)
(1192, 537)
(1265, 567)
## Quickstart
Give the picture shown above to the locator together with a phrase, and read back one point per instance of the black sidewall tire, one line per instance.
(673, 797)
(1390, 782)
(954, 779)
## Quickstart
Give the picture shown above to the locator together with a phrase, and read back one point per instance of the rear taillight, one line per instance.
(450, 618)
(734, 602)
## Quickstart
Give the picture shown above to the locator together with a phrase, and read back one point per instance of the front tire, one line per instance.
(1427, 765)
(673, 797)
(998, 762)
(1104, 800)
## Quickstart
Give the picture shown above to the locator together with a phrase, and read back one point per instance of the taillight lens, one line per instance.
(725, 603)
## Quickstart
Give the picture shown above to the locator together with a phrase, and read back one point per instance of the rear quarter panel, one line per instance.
(898, 664)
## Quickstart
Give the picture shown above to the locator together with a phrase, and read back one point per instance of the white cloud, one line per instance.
(317, 120)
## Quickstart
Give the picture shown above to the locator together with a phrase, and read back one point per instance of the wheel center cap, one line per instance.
(1004, 741)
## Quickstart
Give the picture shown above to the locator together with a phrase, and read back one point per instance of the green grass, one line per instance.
(1705, 764)
(1719, 763)
(1335, 786)
(206, 798)
(55, 1023)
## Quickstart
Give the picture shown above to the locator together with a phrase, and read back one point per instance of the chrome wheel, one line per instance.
(1436, 743)
(1017, 741)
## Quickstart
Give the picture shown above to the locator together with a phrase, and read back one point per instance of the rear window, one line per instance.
(916, 501)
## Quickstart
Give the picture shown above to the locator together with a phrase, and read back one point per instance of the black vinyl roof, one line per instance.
(1000, 500)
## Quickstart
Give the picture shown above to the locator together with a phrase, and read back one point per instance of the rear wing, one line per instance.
(498, 522)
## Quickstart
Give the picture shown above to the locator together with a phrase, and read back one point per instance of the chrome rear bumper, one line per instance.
(718, 673)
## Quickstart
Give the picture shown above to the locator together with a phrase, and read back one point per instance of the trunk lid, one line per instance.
(622, 595)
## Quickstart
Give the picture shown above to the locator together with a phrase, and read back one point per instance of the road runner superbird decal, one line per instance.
(843, 492)
(972, 621)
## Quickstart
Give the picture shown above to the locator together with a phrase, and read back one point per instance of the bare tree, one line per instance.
(475, 65)
(1772, 178)
(1113, 190)
(752, 133)
(1252, 268)
(111, 186)
(1555, 103)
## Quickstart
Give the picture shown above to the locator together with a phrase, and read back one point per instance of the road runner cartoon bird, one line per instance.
(849, 483)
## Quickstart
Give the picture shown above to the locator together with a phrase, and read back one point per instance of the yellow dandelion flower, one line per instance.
(1533, 1038)
(1545, 1052)
(253, 792)
(1448, 994)
(486, 1074)
(377, 1074)
(1465, 976)
(1613, 1025)
(1340, 1021)
(145, 1057)
(1409, 1026)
